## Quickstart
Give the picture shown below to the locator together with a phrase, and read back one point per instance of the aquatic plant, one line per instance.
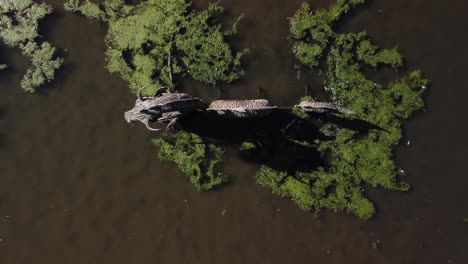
(157, 40)
(355, 159)
(194, 158)
(19, 27)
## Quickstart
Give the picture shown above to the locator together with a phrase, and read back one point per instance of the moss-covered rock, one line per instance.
(354, 160)
(157, 40)
(19, 25)
(197, 160)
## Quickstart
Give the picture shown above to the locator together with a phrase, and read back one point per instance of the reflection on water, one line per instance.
(78, 185)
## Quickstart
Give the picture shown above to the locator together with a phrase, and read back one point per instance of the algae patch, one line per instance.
(19, 25)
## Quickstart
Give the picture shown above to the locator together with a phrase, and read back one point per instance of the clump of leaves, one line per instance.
(353, 160)
(19, 27)
(248, 146)
(158, 39)
(197, 160)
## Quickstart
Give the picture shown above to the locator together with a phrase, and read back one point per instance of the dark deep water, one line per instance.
(78, 185)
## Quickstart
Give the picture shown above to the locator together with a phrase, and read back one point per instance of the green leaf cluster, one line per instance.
(317, 189)
(158, 39)
(248, 146)
(19, 25)
(194, 158)
(87, 8)
(355, 159)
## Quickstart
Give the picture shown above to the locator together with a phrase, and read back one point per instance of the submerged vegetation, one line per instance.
(19, 27)
(355, 158)
(194, 158)
(158, 40)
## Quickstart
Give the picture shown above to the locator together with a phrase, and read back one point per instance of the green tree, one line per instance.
(157, 40)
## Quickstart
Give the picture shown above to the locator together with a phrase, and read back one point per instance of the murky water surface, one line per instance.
(78, 185)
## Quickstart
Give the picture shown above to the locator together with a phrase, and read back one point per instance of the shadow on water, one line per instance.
(358, 125)
(282, 140)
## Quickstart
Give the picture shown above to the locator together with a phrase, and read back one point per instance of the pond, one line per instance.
(79, 185)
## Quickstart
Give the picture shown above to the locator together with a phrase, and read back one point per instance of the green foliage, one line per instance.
(195, 159)
(354, 160)
(272, 179)
(142, 38)
(19, 27)
(87, 8)
(206, 56)
(316, 189)
(248, 146)
(104, 11)
(308, 54)
(43, 66)
(371, 55)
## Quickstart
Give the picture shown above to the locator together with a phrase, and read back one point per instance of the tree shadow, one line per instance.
(355, 124)
(281, 140)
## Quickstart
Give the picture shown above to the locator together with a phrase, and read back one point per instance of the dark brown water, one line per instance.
(78, 185)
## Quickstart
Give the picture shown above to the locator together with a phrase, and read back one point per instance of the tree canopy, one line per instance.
(157, 40)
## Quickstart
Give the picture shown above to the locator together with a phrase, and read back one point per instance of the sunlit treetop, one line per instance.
(159, 40)
(19, 25)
